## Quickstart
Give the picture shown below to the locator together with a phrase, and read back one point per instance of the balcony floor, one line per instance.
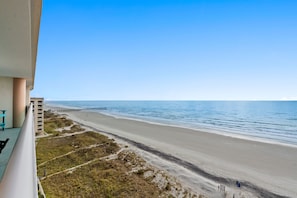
(13, 135)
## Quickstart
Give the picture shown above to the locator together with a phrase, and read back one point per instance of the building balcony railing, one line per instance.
(19, 177)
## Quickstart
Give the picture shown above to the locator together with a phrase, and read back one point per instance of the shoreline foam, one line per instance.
(205, 129)
(265, 165)
(221, 132)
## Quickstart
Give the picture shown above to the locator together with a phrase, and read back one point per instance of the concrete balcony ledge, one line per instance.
(12, 135)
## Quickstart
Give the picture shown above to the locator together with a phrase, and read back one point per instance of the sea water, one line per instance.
(274, 121)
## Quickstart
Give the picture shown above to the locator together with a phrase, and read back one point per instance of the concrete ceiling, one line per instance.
(19, 29)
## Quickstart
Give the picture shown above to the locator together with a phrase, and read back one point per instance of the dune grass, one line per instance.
(54, 121)
(100, 179)
(48, 148)
(91, 176)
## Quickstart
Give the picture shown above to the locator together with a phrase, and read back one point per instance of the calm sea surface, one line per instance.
(261, 120)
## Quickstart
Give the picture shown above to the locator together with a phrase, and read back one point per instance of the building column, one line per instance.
(19, 102)
(28, 98)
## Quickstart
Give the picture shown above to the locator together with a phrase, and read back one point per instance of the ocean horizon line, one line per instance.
(182, 100)
(268, 120)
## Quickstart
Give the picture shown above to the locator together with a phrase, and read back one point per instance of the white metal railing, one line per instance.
(20, 178)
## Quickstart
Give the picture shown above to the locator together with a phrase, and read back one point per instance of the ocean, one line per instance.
(268, 121)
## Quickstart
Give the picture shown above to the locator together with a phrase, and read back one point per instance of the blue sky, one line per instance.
(167, 50)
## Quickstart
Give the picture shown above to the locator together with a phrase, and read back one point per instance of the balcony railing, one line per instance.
(20, 178)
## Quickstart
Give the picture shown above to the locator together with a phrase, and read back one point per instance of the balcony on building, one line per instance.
(19, 32)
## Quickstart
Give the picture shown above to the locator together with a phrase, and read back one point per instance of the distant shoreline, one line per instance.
(222, 180)
(255, 163)
(226, 133)
(202, 130)
(265, 121)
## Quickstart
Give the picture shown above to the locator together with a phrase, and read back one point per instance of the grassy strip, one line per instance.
(100, 179)
(121, 177)
(48, 148)
(53, 121)
(73, 129)
(75, 159)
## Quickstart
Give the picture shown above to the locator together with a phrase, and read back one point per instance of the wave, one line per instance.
(265, 120)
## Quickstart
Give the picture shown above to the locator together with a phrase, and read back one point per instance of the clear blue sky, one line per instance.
(167, 50)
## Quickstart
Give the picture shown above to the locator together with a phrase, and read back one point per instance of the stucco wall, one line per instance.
(6, 98)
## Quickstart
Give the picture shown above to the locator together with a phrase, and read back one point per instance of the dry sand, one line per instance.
(204, 160)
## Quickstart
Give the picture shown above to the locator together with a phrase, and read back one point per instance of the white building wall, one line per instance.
(6, 99)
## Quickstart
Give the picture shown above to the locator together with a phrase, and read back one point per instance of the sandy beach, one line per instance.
(204, 160)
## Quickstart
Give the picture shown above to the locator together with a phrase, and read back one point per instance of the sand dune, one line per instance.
(205, 160)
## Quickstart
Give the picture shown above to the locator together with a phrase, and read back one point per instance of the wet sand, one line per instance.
(266, 170)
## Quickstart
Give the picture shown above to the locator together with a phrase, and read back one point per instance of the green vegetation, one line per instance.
(73, 129)
(48, 148)
(53, 121)
(71, 164)
(99, 179)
